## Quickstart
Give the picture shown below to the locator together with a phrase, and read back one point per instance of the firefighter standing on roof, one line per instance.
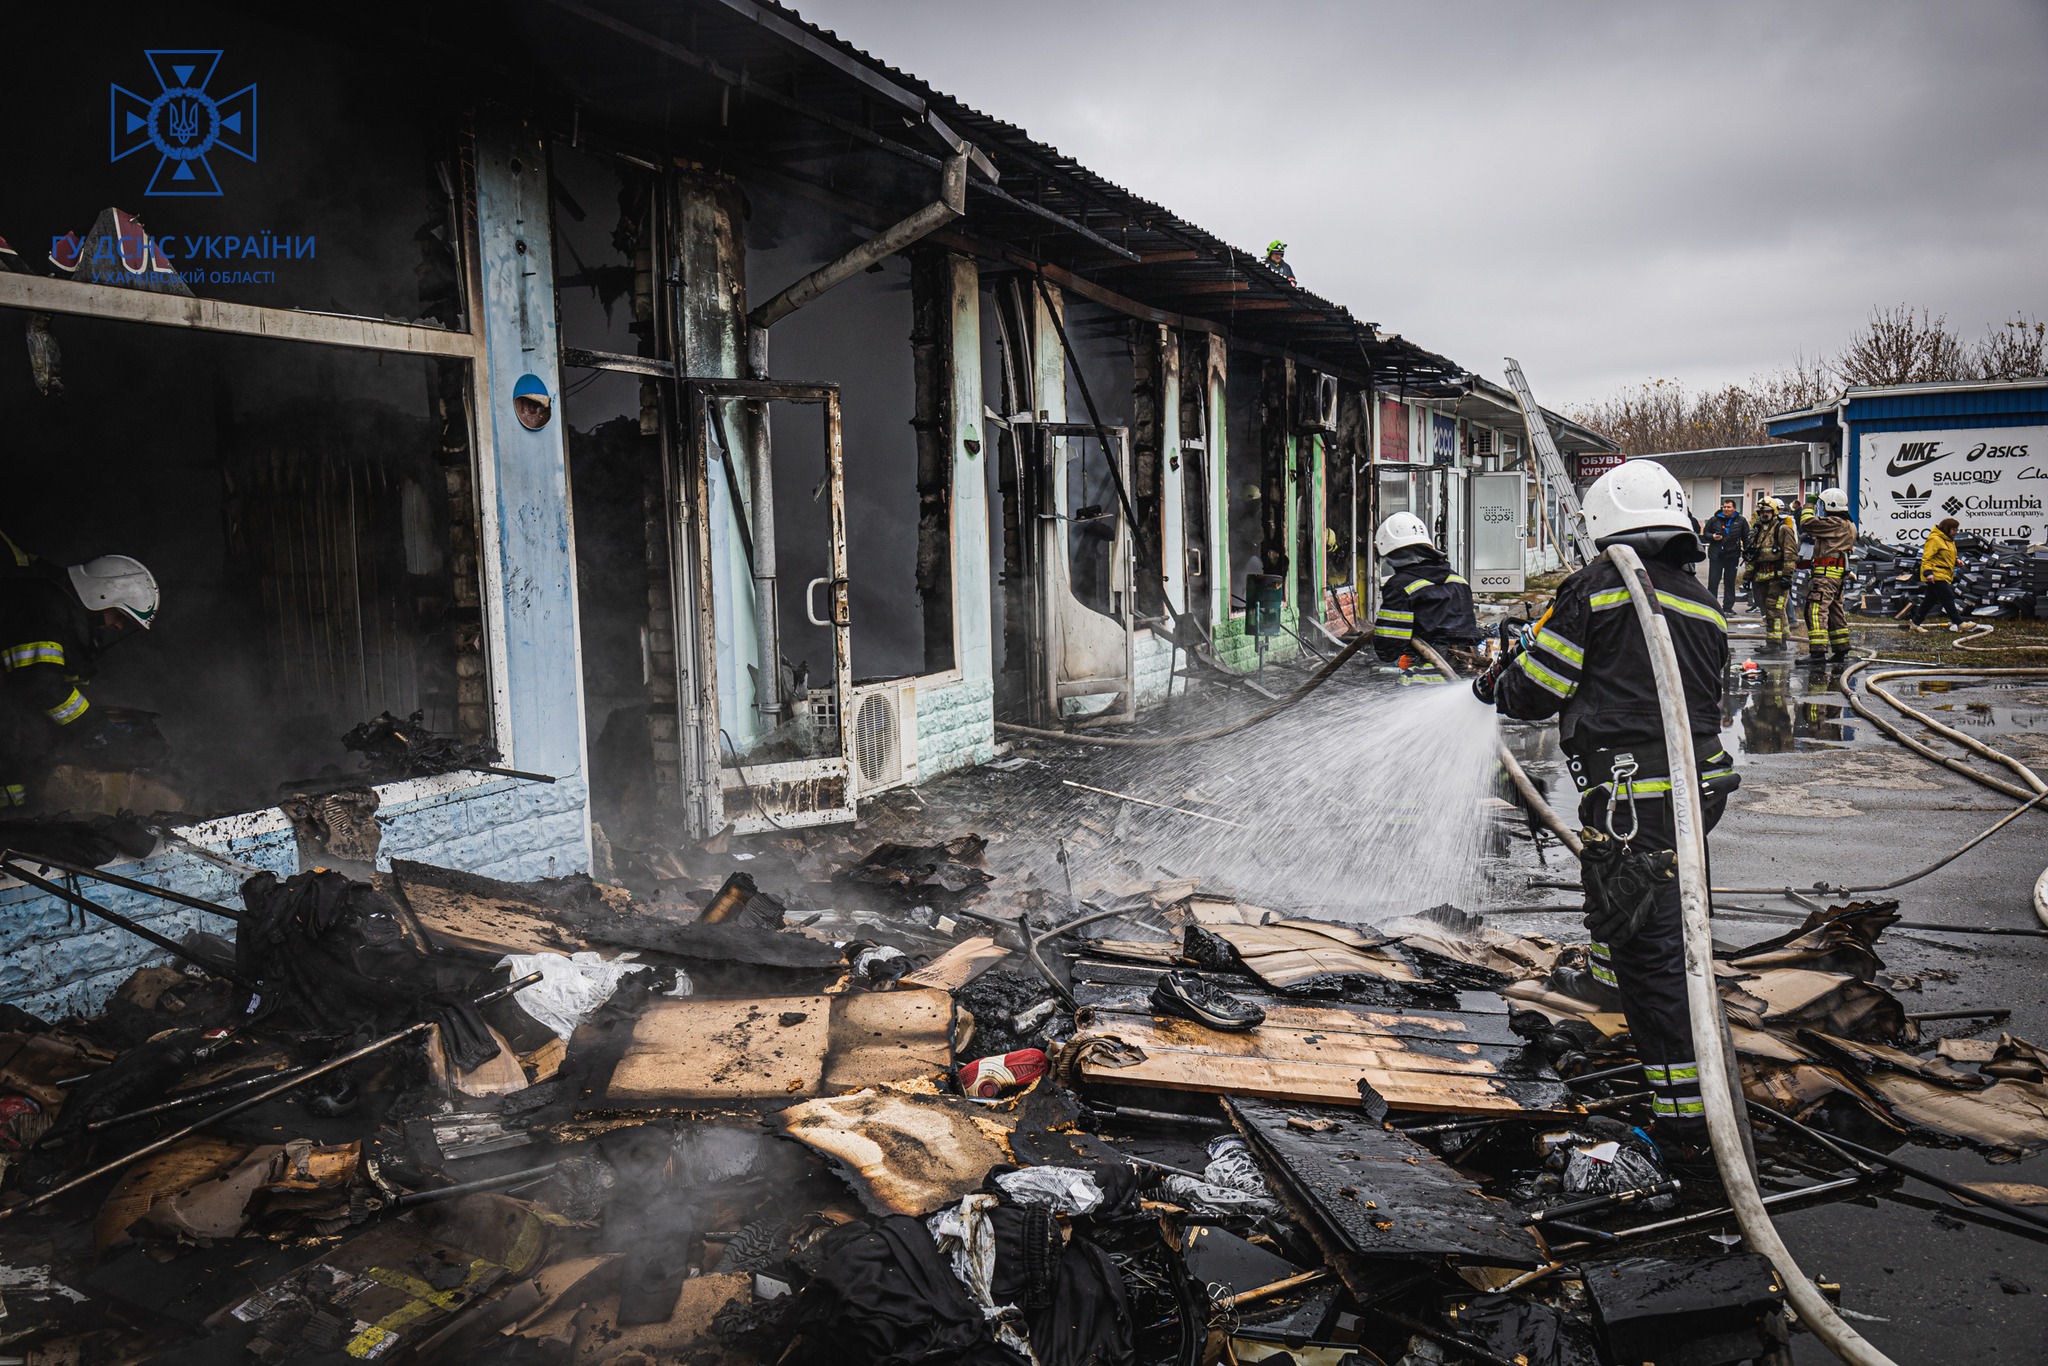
(1834, 536)
(1424, 598)
(54, 624)
(1589, 665)
(1773, 554)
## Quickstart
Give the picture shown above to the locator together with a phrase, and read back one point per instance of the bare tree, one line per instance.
(1902, 345)
(2017, 349)
(1661, 415)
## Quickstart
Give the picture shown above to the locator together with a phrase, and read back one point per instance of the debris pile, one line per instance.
(1994, 579)
(902, 1109)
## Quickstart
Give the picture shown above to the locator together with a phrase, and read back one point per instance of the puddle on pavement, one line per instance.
(1784, 706)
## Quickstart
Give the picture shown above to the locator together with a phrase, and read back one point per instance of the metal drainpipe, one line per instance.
(951, 204)
(1720, 1082)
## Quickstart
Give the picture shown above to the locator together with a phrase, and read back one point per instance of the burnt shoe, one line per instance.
(1191, 998)
(1207, 949)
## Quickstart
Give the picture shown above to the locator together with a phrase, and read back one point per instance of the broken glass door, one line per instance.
(764, 695)
(1086, 617)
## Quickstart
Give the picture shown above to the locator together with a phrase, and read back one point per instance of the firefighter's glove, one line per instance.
(1622, 883)
(1486, 684)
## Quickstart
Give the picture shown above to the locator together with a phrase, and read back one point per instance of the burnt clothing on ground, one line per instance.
(46, 651)
(331, 955)
(1589, 664)
(1424, 598)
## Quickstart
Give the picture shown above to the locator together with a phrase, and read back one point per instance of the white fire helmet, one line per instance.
(118, 581)
(1400, 531)
(1766, 504)
(1834, 500)
(1638, 495)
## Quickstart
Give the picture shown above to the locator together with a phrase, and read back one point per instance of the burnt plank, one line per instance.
(1370, 1193)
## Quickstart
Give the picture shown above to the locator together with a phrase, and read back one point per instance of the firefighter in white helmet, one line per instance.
(1423, 598)
(1588, 664)
(55, 622)
(1834, 536)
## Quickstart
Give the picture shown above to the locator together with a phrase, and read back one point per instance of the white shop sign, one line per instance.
(1993, 480)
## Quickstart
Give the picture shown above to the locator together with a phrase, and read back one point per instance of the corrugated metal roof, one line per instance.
(1725, 461)
(1946, 400)
(1046, 208)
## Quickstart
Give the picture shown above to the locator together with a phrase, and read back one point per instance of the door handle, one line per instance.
(841, 608)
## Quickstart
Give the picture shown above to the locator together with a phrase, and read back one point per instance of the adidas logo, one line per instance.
(1910, 497)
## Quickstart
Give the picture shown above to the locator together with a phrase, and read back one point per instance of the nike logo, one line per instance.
(1911, 455)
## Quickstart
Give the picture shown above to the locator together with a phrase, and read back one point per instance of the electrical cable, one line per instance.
(1713, 1049)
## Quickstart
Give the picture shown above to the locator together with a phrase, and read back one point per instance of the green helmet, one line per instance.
(1276, 246)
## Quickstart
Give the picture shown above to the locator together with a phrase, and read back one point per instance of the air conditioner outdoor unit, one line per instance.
(1319, 402)
(884, 736)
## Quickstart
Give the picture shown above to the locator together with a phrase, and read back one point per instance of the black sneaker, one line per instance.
(1207, 949)
(1185, 994)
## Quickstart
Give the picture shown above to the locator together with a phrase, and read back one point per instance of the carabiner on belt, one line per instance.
(1621, 781)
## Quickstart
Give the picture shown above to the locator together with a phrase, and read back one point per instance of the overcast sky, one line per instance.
(1608, 191)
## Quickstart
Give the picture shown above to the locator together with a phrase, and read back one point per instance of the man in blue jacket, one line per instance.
(1726, 534)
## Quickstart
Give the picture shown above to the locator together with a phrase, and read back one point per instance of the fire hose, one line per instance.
(1720, 1082)
(2029, 790)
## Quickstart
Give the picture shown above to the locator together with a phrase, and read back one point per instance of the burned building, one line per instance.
(671, 402)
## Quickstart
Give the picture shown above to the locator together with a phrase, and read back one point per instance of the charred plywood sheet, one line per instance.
(466, 920)
(903, 1154)
(778, 1047)
(1297, 953)
(959, 965)
(1322, 1064)
(1367, 1192)
(732, 1050)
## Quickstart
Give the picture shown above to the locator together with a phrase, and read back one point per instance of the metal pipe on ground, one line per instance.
(487, 1183)
(131, 884)
(250, 1102)
(112, 917)
(1861, 1154)
(1715, 1215)
(1713, 1049)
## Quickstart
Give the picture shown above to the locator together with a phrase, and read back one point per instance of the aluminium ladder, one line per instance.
(1568, 528)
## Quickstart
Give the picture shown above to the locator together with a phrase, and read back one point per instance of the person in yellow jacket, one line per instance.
(1938, 574)
(1773, 554)
(1834, 536)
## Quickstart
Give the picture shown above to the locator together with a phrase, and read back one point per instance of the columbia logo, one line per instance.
(1953, 505)
(1910, 497)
